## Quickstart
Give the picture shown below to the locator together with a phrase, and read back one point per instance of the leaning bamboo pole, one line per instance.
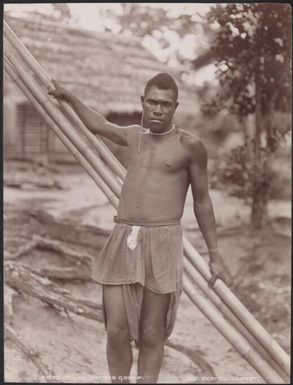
(266, 372)
(231, 334)
(85, 164)
(222, 290)
(57, 116)
(201, 283)
(44, 79)
(230, 299)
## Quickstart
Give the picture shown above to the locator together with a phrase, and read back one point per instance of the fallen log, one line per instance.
(22, 279)
(79, 264)
(26, 222)
(65, 273)
(58, 247)
(22, 250)
(22, 182)
(66, 231)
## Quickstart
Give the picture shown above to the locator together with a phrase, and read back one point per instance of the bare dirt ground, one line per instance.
(46, 343)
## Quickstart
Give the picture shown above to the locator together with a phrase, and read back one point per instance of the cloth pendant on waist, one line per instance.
(132, 237)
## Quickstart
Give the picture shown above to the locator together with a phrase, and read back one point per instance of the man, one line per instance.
(140, 267)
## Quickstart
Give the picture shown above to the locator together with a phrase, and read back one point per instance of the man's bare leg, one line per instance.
(119, 352)
(152, 335)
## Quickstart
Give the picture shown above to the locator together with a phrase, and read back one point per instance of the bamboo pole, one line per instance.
(201, 283)
(44, 79)
(199, 263)
(97, 179)
(259, 366)
(231, 334)
(57, 116)
(239, 310)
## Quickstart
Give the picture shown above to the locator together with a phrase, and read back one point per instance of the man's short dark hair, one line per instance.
(163, 81)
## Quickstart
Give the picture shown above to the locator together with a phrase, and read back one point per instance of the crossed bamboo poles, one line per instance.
(218, 304)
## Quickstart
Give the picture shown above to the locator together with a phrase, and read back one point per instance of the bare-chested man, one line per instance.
(140, 267)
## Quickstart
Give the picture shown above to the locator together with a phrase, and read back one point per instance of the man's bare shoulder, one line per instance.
(134, 127)
(193, 144)
(132, 131)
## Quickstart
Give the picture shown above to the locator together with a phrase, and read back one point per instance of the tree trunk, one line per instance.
(260, 197)
(259, 206)
(263, 124)
(259, 184)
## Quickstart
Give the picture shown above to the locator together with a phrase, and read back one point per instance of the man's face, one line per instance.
(159, 107)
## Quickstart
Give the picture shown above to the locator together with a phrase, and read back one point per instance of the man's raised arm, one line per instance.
(94, 121)
(203, 209)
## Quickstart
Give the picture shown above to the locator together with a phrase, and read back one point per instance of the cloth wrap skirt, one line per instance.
(142, 254)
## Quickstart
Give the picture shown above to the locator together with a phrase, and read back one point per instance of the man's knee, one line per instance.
(151, 336)
(117, 334)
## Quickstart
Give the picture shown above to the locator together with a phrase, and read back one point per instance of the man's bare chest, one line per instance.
(163, 154)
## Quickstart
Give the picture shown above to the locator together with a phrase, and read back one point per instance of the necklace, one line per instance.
(148, 131)
(163, 133)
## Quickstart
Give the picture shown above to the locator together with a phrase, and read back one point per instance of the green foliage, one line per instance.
(233, 173)
(233, 170)
(169, 31)
(252, 48)
(253, 45)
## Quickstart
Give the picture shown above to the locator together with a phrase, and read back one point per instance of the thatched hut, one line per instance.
(108, 71)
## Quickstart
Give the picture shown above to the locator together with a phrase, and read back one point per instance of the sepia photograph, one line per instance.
(147, 192)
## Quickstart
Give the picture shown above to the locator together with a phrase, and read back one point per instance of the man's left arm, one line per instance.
(203, 210)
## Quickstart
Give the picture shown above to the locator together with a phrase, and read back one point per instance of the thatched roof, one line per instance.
(107, 70)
